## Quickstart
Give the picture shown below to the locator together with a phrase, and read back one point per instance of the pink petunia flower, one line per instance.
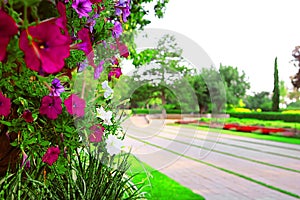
(4, 105)
(51, 107)
(116, 72)
(97, 133)
(8, 28)
(75, 105)
(51, 155)
(45, 47)
(27, 115)
(82, 7)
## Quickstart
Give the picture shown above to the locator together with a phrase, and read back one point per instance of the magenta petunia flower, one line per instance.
(27, 115)
(61, 22)
(82, 7)
(45, 47)
(85, 45)
(98, 70)
(51, 155)
(97, 133)
(123, 49)
(8, 28)
(56, 88)
(96, 1)
(114, 60)
(51, 107)
(117, 29)
(116, 72)
(75, 105)
(4, 105)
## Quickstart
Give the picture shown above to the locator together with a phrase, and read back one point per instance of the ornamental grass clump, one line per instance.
(60, 136)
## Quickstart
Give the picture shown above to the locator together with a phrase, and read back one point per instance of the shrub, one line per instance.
(268, 116)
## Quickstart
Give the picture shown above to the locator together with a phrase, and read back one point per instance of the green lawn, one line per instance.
(158, 186)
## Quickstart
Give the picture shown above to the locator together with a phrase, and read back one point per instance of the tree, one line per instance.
(283, 91)
(259, 100)
(161, 69)
(275, 96)
(201, 91)
(235, 83)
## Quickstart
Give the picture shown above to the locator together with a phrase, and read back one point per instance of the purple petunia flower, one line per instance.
(4, 105)
(56, 88)
(122, 7)
(91, 22)
(51, 107)
(27, 115)
(82, 7)
(51, 155)
(117, 29)
(82, 65)
(75, 105)
(25, 160)
(116, 72)
(97, 133)
(98, 70)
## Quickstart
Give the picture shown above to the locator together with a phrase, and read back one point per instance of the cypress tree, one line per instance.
(275, 97)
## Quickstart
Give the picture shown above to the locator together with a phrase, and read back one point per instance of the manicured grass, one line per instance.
(276, 138)
(158, 186)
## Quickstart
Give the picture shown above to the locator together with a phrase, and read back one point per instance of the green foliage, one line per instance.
(137, 19)
(201, 91)
(276, 94)
(88, 176)
(260, 100)
(267, 116)
(152, 111)
(236, 84)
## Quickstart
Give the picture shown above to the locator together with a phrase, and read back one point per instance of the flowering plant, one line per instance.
(59, 61)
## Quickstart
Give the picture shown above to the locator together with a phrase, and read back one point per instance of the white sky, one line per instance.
(244, 34)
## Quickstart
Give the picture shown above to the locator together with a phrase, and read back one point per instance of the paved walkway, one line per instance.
(217, 166)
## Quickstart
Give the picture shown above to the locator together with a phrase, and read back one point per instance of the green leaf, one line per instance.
(30, 128)
(5, 123)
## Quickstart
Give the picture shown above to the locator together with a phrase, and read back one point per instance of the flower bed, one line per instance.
(241, 128)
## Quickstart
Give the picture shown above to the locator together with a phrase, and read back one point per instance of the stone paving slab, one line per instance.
(242, 150)
(210, 182)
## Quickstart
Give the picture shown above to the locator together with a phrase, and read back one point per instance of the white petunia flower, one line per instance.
(108, 90)
(105, 116)
(113, 145)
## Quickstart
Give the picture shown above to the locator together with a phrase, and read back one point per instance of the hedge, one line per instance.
(267, 116)
(146, 111)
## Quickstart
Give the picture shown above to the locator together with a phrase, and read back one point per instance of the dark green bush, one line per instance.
(267, 116)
